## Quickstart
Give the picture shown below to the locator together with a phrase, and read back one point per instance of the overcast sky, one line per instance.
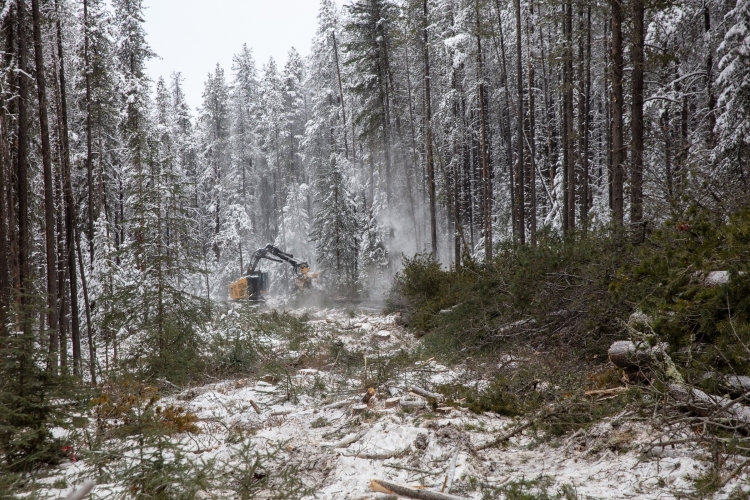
(191, 36)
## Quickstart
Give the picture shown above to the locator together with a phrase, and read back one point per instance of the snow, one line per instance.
(414, 447)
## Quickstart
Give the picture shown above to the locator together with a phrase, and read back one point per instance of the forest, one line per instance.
(449, 132)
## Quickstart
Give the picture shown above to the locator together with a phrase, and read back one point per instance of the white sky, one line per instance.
(191, 36)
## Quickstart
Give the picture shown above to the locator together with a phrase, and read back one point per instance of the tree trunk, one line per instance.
(709, 75)
(89, 147)
(618, 160)
(486, 165)
(70, 208)
(5, 250)
(428, 134)
(532, 126)
(49, 197)
(87, 308)
(341, 95)
(570, 143)
(520, 196)
(22, 179)
(636, 175)
(585, 189)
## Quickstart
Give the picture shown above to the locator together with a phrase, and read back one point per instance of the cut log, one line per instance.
(390, 488)
(382, 336)
(339, 404)
(392, 402)
(255, 406)
(426, 394)
(627, 354)
(412, 403)
(358, 409)
(707, 405)
(506, 436)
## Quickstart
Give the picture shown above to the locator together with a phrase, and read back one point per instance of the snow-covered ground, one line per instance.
(339, 447)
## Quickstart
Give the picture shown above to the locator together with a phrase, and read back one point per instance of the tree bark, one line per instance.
(70, 206)
(618, 160)
(89, 147)
(636, 174)
(486, 165)
(428, 133)
(22, 179)
(570, 133)
(49, 197)
(520, 195)
(532, 126)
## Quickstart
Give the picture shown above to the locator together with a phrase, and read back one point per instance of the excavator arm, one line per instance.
(255, 283)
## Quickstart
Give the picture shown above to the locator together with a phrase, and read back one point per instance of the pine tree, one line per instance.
(336, 229)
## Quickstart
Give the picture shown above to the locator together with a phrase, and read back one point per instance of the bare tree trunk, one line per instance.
(341, 96)
(585, 188)
(520, 195)
(570, 143)
(87, 309)
(49, 197)
(70, 207)
(618, 160)
(4, 237)
(428, 134)
(636, 174)
(486, 165)
(22, 179)
(709, 75)
(507, 128)
(532, 125)
(89, 147)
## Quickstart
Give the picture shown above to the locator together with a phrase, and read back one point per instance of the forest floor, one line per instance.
(337, 448)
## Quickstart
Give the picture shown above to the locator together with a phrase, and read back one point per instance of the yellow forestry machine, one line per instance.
(254, 284)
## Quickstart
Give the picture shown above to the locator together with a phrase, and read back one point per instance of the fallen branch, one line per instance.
(506, 436)
(412, 469)
(606, 392)
(346, 441)
(379, 456)
(451, 474)
(381, 486)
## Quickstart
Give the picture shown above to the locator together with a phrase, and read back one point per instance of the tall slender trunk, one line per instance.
(89, 148)
(87, 309)
(636, 174)
(4, 237)
(341, 96)
(570, 144)
(532, 126)
(618, 152)
(428, 134)
(709, 75)
(49, 196)
(585, 189)
(70, 206)
(507, 128)
(417, 232)
(22, 176)
(520, 196)
(483, 145)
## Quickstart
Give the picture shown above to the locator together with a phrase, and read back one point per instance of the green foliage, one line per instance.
(667, 283)
(553, 294)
